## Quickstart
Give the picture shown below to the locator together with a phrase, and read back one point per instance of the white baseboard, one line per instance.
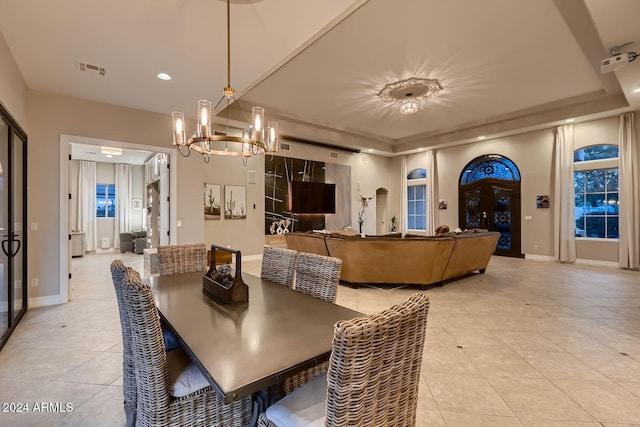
(532, 257)
(252, 258)
(610, 264)
(593, 262)
(46, 301)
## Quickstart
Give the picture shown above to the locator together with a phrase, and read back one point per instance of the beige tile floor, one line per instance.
(529, 343)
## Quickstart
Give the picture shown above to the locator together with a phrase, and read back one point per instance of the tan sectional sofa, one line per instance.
(412, 260)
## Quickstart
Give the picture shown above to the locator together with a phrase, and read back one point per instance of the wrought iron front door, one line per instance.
(495, 205)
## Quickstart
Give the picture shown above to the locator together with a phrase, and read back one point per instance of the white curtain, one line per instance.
(403, 180)
(629, 246)
(124, 187)
(563, 200)
(432, 203)
(87, 204)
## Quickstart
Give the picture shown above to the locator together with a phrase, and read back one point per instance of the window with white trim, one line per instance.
(596, 191)
(417, 200)
(105, 201)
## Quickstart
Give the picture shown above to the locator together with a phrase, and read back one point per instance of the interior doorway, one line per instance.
(489, 197)
(66, 210)
(382, 211)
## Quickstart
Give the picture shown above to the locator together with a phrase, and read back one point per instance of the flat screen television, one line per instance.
(313, 198)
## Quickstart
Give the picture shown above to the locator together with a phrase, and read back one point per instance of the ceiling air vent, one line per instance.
(285, 147)
(91, 68)
(333, 155)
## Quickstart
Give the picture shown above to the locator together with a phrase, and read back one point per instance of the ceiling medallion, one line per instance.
(408, 92)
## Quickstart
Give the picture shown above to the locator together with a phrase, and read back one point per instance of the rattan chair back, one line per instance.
(374, 368)
(318, 275)
(118, 270)
(278, 265)
(187, 258)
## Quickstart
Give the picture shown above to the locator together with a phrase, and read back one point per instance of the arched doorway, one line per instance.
(489, 197)
(381, 211)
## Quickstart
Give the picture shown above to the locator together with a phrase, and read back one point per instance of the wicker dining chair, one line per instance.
(170, 341)
(318, 275)
(373, 376)
(278, 265)
(118, 270)
(187, 258)
(160, 400)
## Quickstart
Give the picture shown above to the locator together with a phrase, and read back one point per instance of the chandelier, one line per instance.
(408, 92)
(258, 138)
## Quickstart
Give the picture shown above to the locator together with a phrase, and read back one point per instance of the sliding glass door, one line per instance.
(13, 213)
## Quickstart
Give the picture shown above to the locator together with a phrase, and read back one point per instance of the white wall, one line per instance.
(105, 174)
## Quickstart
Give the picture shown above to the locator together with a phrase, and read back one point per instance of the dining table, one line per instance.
(243, 348)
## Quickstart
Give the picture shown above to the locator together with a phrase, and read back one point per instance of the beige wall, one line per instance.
(246, 235)
(46, 116)
(13, 89)
(370, 171)
(53, 115)
(533, 154)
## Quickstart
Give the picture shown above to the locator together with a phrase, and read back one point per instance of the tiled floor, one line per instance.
(529, 343)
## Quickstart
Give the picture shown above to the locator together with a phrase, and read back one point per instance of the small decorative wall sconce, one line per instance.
(443, 204)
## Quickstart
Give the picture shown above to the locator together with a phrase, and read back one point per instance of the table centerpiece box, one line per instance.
(221, 284)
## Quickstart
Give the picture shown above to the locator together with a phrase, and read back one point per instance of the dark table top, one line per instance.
(245, 347)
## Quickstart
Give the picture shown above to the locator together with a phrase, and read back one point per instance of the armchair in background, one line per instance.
(140, 242)
(126, 242)
(135, 241)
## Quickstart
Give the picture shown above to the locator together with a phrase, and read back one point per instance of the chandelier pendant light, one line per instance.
(259, 138)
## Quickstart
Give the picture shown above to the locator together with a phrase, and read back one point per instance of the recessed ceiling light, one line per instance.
(637, 89)
(164, 76)
(481, 137)
(420, 149)
(370, 150)
(570, 120)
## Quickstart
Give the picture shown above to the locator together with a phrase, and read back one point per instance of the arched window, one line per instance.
(417, 200)
(490, 166)
(596, 191)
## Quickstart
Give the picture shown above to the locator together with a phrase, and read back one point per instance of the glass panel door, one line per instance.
(18, 241)
(4, 228)
(13, 214)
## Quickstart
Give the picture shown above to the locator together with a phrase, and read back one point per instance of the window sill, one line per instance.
(596, 239)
